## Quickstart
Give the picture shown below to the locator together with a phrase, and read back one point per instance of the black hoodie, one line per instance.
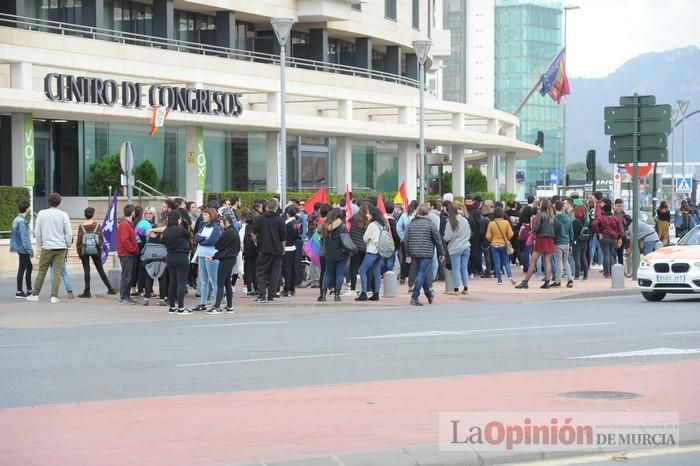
(270, 230)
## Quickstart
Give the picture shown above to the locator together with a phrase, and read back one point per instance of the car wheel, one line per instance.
(653, 297)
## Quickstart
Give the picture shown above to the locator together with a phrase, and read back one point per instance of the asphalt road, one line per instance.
(235, 353)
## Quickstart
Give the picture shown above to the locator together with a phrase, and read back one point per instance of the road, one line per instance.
(339, 382)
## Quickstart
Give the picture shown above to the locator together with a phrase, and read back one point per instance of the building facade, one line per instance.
(80, 77)
(528, 37)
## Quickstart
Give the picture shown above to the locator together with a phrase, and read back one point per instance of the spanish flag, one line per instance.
(401, 198)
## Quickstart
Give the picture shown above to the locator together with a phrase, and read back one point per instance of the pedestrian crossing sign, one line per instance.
(684, 185)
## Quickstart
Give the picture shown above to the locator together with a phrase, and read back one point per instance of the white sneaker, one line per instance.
(33, 297)
(55, 300)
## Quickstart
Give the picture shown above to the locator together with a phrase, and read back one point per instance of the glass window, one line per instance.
(235, 161)
(390, 9)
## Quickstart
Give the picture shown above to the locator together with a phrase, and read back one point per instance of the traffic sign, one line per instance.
(652, 119)
(684, 185)
(643, 100)
(643, 169)
(645, 155)
(646, 141)
(624, 127)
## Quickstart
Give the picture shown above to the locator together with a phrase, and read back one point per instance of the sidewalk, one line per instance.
(104, 309)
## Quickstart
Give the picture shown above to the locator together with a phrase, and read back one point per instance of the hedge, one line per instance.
(9, 197)
(248, 197)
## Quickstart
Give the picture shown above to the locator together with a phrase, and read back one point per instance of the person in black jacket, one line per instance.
(357, 233)
(270, 233)
(177, 241)
(390, 261)
(336, 259)
(292, 235)
(227, 247)
(250, 252)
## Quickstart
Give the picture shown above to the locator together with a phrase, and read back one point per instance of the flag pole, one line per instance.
(537, 84)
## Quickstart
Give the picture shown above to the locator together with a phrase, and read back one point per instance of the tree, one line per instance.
(146, 173)
(104, 172)
(447, 182)
(577, 171)
(474, 180)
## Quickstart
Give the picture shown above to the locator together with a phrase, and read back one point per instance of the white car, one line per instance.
(673, 269)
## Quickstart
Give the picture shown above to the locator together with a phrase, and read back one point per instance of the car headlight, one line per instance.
(697, 265)
(644, 264)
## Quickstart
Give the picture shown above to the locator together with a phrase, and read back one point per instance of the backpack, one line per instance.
(153, 252)
(89, 247)
(385, 246)
(585, 234)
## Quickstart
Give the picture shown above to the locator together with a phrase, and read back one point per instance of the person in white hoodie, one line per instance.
(53, 234)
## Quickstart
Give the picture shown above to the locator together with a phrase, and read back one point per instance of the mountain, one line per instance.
(670, 75)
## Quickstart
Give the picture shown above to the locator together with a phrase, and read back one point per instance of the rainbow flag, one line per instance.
(312, 248)
(554, 80)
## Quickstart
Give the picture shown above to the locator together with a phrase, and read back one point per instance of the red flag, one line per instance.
(348, 207)
(380, 204)
(401, 197)
(319, 196)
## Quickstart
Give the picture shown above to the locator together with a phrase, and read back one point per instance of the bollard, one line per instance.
(449, 286)
(114, 275)
(390, 284)
(617, 273)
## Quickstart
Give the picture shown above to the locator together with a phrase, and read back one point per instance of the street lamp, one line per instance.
(422, 47)
(674, 117)
(682, 107)
(282, 27)
(567, 8)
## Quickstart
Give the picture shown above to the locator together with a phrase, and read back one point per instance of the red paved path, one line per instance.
(239, 427)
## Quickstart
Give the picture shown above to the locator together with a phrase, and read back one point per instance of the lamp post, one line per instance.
(674, 117)
(422, 47)
(282, 28)
(683, 107)
(567, 8)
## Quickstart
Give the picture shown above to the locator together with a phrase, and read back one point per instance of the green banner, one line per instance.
(28, 150)
(201, 160)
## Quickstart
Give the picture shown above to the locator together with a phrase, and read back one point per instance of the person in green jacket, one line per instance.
(563, 242)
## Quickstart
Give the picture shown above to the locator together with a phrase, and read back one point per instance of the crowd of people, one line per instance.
(208, 248)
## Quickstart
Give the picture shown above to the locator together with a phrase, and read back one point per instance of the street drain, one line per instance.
(601, 395)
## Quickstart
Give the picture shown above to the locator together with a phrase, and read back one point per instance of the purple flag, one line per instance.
(108, 229)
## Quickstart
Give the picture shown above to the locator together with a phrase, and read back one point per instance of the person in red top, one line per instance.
(609, 229)
(127, 250)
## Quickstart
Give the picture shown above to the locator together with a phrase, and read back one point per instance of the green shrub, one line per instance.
(146, 173)
(507, 197)
(9, 197)
(474, 181)
(248, 197)
(104, 172)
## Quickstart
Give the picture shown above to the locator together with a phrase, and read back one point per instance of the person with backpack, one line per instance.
(335, 255)
(21, 243)
(609, 228)
(498, 234)
(582, 235)
(373, 223)
(89, 245)
(542, 233)
(457, 234)
(142, 227)
(563, 242)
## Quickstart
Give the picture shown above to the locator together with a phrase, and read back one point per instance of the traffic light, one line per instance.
(540, 139)
(590, 167)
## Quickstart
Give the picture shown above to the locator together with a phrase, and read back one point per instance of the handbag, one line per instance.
(347, 245)
(509, 247)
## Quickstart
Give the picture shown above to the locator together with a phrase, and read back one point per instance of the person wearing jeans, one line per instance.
(580, 244)
(609, 229)
(21, 243)
(374, 222)
(127, 250)
(498, 233)
(563, 241)
(206, 238)
(227, 248)
(330, 233)
(457, 233)
(421, 239)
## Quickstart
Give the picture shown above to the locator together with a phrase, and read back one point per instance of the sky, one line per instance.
(604, 34)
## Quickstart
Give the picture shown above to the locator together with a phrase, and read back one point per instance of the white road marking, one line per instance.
(441, 333)
(681, 333)
(19, 345)
(645, 352)
(242, 361)
(236, 324)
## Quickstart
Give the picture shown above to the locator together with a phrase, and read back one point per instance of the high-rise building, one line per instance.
(528, 37)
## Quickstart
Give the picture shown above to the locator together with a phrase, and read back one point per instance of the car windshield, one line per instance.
(692, 238)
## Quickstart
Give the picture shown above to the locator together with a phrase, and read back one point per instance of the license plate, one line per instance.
(670, 278)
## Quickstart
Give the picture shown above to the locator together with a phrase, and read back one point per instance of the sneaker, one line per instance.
(111, 291)
(555, 285)
(251, 293)
(362, 297)
(146, 302)
(200, 307)
(512, 280)
(33, 297)
(260, 300)
(86, 294)
(545, 286)
(431, 296)
(162, 302)
(500, 281)
(374, 297)
(277, 295)
(415, 302)
(465, 291)
(471, 275)
(21, 294)
(214, 310)
(229, 310)
(584, 279)
(570, 284)
(127, 301)
(172, 310)
(336, 298)
(71, 295)
(522, 286)
(184, 312)
(454, 292)
(55, 300)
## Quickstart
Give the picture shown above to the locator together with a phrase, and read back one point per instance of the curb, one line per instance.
(601, 294)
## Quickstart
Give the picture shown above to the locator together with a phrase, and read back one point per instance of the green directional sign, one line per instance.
(652, 119)
(646, 141)
(645, 155)
(643, 100)
(621, 128)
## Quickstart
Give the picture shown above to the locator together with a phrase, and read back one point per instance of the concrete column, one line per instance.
(273, 102)
(363, 52)
(393, 59)
(408, 168)
(273, 174)
(492, 175)
(343, 174)
(510, 131)
(318, 44)
(492, 126)
(345, 109)
(191, 149)
(15, 7)
(164, 19)
(412, 66)
(407, 116)
(510, 172)
(226, 29)
(94, 13)
(458, 170)
(458, 121)
(21, 76)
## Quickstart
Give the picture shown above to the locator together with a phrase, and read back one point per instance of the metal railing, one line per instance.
(148, 191)
(78, 30)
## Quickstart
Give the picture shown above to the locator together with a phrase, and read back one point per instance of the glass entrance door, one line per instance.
(314, 169)
(43, 175)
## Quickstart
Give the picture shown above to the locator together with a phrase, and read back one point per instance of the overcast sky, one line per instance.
(604, 34)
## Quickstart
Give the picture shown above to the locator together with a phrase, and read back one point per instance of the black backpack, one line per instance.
(585, 234)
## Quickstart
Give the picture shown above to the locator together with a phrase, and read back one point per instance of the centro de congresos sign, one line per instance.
(86, 90)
